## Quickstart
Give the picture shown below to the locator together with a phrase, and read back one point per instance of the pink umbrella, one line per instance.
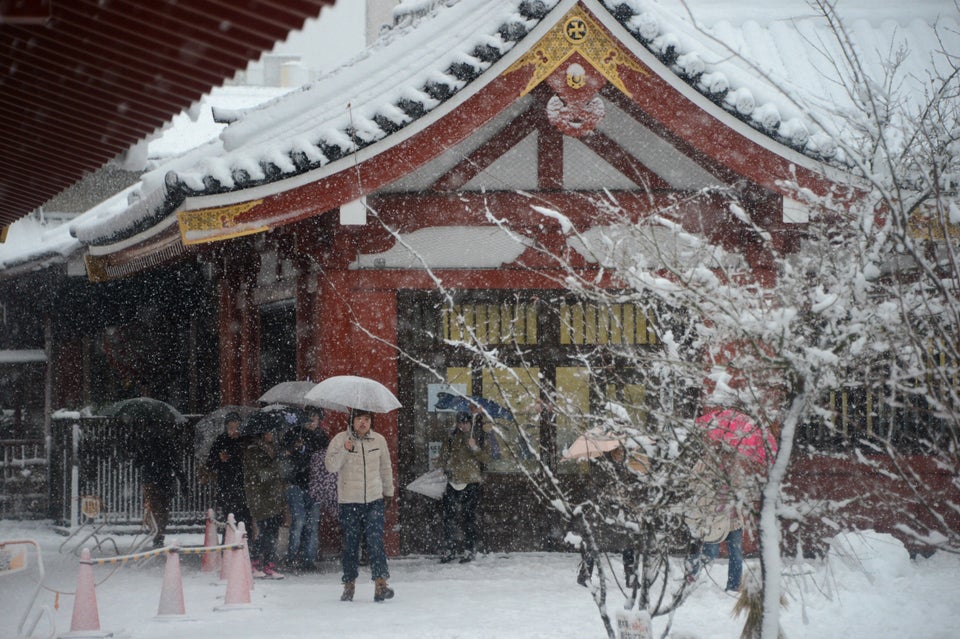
(739, 431)
(593, 444)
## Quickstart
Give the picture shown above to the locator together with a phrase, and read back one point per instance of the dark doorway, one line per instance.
(278, 343)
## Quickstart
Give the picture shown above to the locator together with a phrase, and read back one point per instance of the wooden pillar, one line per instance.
(374, 355)
(307, 320)
(239, 324)
(249, 318)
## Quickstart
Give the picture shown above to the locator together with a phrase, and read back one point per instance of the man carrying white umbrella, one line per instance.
(360, 458)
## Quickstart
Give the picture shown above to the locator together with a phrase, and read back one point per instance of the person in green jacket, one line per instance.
(264, 488)
(462, 457)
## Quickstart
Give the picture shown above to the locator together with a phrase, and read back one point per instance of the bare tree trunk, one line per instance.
(771, 564)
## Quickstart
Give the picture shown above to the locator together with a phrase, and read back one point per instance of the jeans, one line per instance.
(358, 520)
(460, 507)
(709, 552)
(304, 522)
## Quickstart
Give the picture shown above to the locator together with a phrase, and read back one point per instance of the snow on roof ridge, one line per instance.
(776, 104)
(142, 213)
(444, 50)
(340, 114)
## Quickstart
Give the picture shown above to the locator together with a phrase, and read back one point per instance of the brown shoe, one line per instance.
(382, 590)
(348, 588)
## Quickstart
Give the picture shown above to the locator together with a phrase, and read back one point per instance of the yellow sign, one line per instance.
(3, 234)
(578, 32)
(218, 223)
(924, 224)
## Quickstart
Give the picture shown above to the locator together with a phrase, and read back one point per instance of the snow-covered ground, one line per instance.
(882, 594)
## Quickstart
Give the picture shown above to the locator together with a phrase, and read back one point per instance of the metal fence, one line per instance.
(91, 457)
(23, 478)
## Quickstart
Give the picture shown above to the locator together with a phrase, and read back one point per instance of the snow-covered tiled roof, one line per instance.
(410, 73)
(33, 242)
(770, 67)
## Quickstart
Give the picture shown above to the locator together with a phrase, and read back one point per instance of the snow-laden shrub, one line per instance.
(879, 556)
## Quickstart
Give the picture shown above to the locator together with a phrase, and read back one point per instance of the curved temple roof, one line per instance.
(783, 84)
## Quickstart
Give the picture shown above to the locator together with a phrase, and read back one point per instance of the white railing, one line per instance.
(23, 478)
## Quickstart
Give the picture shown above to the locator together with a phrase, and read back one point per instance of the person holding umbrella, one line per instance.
(462, 459)
(156, 454)
(361, 460)
(737, 448)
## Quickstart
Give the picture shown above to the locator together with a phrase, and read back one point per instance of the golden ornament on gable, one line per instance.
(578, 33)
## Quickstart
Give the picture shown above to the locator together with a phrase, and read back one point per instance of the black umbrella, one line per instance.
(146, 411)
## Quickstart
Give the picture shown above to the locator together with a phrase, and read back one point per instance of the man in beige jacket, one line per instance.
(361, 460)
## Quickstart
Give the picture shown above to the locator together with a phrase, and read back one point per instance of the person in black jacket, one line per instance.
(157, 457)
(296, 452)
(225, 460)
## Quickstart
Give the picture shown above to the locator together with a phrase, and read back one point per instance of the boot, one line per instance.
(348, 588)
(382, 590)
(583, 575)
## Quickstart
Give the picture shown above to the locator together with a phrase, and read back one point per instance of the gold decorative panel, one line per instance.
(577, 32)
(218, 223)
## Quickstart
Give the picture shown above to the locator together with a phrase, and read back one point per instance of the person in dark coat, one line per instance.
(610, 483)
(225, 461)
(296, 451)
(156, 455)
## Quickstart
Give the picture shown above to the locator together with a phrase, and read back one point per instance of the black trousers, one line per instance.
(460, 511)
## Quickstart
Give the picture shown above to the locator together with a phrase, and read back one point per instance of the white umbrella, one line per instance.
(344, 392)
(432, 483)
(290, 393)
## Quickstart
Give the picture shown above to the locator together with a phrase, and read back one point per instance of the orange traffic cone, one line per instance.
(86, 617)
(237, 596)
(210, 561)
(229, 537)
(171, 594)
(244, 539)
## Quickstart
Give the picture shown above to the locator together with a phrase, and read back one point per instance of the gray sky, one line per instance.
(332, 38)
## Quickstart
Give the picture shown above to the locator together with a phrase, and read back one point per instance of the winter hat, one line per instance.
(463, 416)
(231, 417)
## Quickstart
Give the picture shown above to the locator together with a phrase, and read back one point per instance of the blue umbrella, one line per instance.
(449, 401)
(275, 418)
